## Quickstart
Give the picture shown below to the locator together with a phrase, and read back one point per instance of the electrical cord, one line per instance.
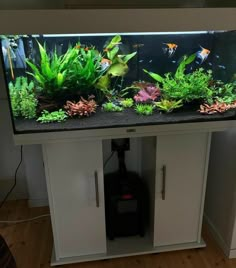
(108, 159)
(26, 220)
(12, 188)
(15, 177)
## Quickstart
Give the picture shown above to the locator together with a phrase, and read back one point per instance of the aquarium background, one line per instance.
(133, 96)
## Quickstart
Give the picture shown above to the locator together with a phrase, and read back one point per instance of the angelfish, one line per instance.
(105, 63)
(203, 54)
(170, 49)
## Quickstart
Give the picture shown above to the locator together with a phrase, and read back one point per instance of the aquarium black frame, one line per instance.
(127, 22)
(6, 88)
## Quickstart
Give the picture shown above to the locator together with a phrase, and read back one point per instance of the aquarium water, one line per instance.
(92, 81)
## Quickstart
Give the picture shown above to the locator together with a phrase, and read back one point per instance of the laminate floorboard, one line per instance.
(31, 245)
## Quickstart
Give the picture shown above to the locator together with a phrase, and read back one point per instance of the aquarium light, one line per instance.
(134, 33)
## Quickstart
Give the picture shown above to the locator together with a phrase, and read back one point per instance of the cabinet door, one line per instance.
(180, 191)
(74, 174)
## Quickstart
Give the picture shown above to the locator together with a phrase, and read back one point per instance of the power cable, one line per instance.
(15, 177)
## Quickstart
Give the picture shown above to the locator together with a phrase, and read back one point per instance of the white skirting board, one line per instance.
(20, 191)
(37, 202)
(219, 239)
(115, 249)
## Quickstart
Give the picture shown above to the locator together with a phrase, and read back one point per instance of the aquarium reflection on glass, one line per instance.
(91, 81)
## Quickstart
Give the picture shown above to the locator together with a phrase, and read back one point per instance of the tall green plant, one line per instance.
(84, 70)
(23, 99)
(179, 72)
(118, 66)
(52, 70)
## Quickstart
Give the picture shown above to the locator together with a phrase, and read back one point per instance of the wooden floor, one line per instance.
(31, 245)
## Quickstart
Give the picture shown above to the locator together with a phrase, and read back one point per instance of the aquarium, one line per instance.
(60, 82)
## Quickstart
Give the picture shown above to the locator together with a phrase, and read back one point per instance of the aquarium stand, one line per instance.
(173, 166)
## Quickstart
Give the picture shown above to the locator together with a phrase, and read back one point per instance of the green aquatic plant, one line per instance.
(189, 87)
(144, 109)
(185, 87)
(115, 66)
(127, 103)
(23, 99)
(51, 72)
(111, 107)
(118, 66)
(56, 116)
(186, 60)
(223, 93)
(85, 70)
(168, 105)
(76, 70)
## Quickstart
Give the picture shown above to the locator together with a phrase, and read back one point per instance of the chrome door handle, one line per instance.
(96, 189)
(163, 191)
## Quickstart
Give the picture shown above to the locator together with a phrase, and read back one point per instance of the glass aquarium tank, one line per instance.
(59, 82)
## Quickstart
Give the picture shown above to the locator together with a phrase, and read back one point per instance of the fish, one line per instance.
(203, 54)
(138, 45)
(173, 61)
(140, 61)
(150, 61)
(217, 56)
(209, 63)
(170, 49)
(85, 48)
(105, 63)
(222, 67)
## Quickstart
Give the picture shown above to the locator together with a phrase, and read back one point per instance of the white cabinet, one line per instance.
(181, 166)
(74, 172)
(75, 182)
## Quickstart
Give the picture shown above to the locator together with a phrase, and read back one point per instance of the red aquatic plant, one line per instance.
(148, 92)
(81, 108)
(217, 107)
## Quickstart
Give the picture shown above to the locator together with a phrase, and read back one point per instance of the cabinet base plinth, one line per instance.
(116, 251)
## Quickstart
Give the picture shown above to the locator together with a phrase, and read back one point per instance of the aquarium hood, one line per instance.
(105, 73)
(116, 20)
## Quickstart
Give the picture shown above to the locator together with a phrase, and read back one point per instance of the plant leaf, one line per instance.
(156, 77)
(111, 54)
(114, 41)
(118, 69)
(103, 82)
(128, 57)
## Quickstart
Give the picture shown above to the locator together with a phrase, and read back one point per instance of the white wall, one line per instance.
(221, 188)
(9, 153)
(35, 176)
(30, 179)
